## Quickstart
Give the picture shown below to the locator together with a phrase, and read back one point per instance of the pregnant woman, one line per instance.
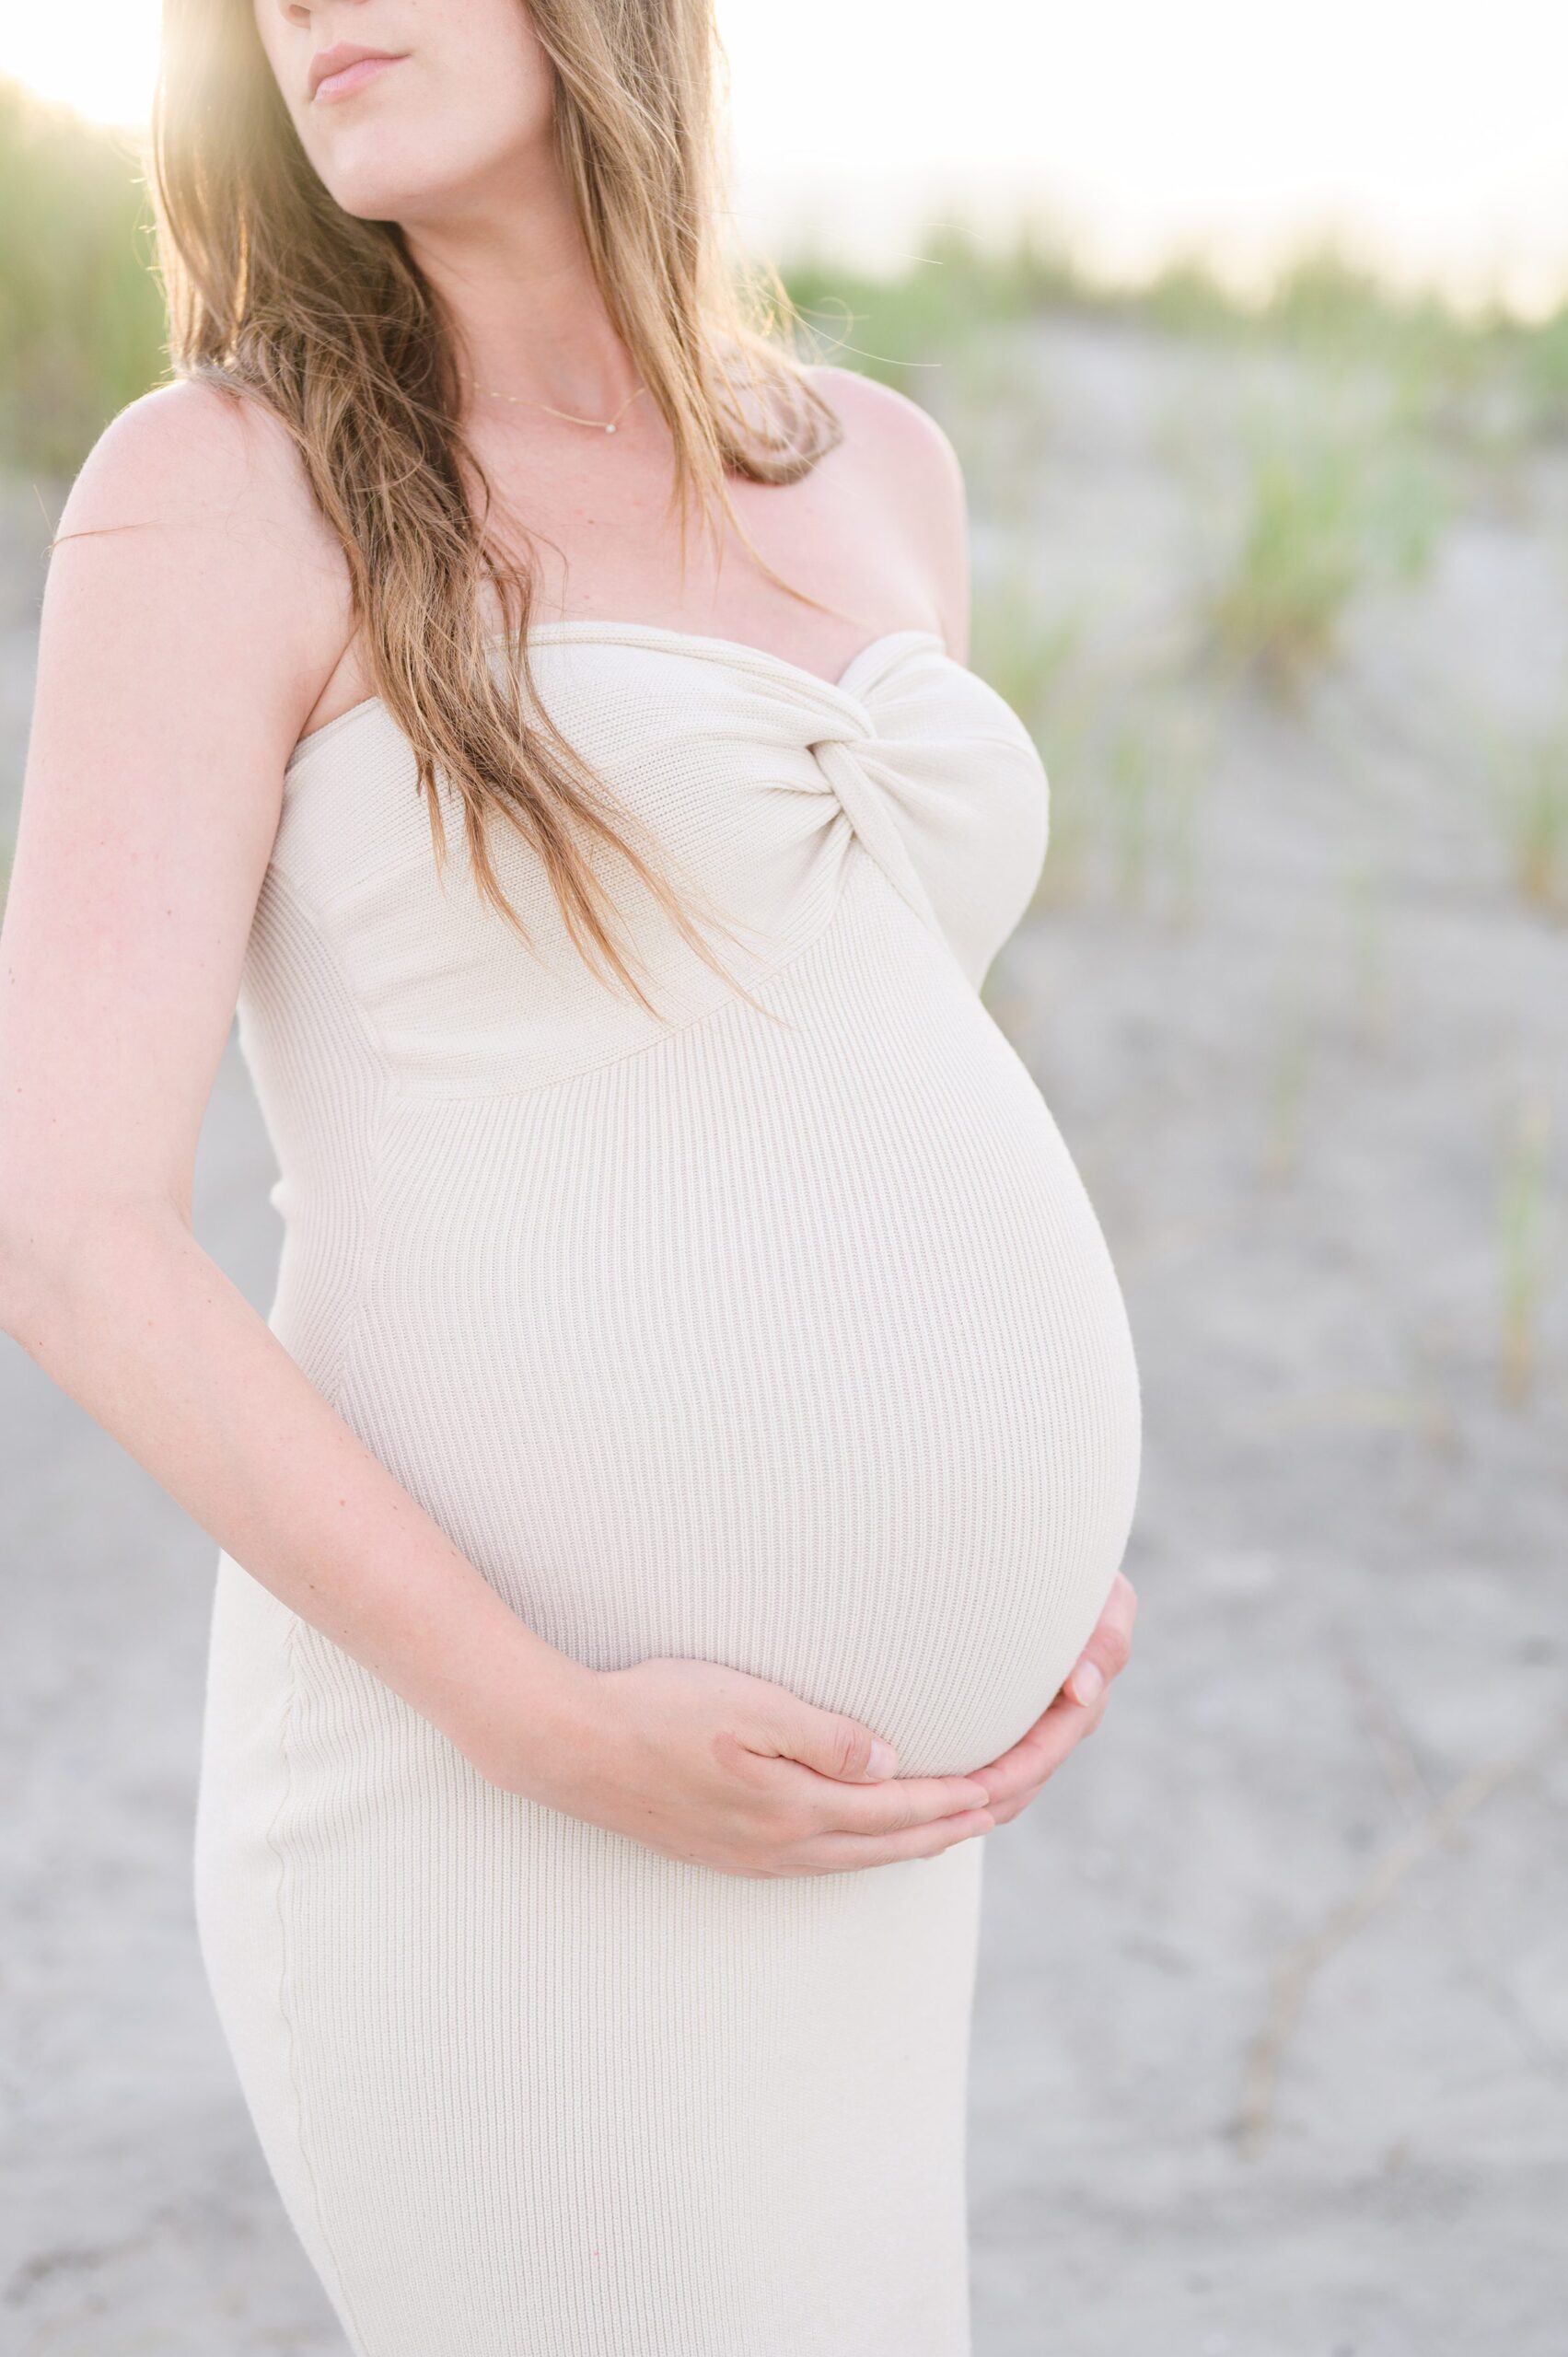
(675, 1501)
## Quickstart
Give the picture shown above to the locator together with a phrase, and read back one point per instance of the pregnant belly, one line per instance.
(793, 1346)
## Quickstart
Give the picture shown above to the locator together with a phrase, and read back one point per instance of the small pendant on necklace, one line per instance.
(609, 429)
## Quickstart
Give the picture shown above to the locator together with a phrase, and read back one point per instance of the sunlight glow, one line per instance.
(1429, 140)
(96, 55)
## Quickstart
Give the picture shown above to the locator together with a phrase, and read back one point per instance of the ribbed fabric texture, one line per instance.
(787, 1339)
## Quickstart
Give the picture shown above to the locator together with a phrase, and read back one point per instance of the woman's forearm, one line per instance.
(123, 1309)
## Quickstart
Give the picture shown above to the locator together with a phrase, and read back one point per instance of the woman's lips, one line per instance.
(349, 78)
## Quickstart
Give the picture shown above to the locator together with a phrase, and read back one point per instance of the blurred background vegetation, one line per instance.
(81, 319)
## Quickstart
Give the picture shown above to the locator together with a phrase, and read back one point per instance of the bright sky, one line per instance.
(1431, 133)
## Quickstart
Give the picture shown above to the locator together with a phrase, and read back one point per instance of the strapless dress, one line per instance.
(781, 1334)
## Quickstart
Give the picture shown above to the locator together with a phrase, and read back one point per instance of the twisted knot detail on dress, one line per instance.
(761, 784)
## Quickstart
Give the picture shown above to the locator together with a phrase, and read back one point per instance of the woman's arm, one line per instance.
(190, 599)
(175, 660)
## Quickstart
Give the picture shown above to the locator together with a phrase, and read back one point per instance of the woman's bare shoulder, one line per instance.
(880, 417)
(190, 448)
(901, 463)
(195, 493)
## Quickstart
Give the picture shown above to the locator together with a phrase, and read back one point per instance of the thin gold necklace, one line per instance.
(599, 423)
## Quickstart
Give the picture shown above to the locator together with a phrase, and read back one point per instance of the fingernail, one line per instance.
(1087, 1681)
(883, 1760)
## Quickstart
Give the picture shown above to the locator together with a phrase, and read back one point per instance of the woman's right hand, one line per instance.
(725, 1770)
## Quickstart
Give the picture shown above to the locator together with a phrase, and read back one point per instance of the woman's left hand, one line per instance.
(1015, 1779)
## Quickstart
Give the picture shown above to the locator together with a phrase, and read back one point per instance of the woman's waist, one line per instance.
(761, 1419)
(839, 1224)
(917, 1533)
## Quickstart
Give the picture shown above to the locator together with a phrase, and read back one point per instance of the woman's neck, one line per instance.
(516, 281)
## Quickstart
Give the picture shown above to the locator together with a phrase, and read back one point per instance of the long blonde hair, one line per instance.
(277, 294)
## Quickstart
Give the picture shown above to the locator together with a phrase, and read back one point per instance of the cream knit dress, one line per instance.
(784, 1336)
